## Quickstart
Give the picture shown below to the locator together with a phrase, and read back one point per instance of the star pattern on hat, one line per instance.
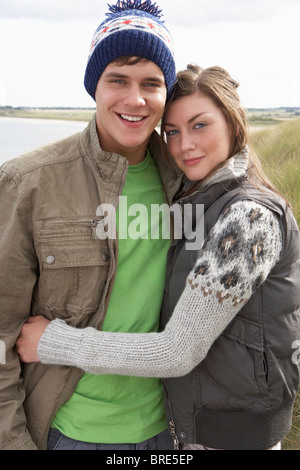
(133, 27)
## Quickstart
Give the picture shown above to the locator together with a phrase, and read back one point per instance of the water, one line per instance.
(18, 136)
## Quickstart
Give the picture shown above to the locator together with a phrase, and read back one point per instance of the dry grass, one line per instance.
(279, 150)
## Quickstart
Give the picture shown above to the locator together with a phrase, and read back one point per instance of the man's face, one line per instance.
(130, 101)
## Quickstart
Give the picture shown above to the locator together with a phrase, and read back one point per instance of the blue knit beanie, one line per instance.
(133, 28)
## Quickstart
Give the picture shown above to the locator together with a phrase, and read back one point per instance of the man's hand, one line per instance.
(29, 338)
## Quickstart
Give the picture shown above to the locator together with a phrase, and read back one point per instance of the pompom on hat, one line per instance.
(133, 28)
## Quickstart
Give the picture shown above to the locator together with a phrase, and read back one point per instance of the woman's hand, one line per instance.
(30, 335)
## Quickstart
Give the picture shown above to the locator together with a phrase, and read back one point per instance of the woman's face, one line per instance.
(198, 135)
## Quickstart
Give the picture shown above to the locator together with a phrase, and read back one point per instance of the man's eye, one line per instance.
(152, 85)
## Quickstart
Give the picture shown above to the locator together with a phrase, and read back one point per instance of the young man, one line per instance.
(54, 263)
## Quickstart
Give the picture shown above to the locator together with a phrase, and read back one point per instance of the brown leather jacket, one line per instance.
(52, 263)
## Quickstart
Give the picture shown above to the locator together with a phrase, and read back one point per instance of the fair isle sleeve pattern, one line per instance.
(242, 248)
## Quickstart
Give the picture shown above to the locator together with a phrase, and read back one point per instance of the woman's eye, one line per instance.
(171, 133)
(200, 125)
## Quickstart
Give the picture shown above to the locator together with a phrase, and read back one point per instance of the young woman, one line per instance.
(231, 309)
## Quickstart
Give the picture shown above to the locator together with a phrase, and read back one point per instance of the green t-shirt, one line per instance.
(114, 408)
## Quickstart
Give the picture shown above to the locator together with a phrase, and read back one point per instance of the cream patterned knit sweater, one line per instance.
(242, 248)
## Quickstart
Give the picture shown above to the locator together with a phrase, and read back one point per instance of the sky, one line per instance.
(44, 46)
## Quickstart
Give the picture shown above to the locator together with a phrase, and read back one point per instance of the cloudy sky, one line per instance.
(44, 45)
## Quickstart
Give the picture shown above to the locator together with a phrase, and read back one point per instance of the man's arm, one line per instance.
(17, 278)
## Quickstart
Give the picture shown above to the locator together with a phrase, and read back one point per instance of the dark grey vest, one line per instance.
(241, 395)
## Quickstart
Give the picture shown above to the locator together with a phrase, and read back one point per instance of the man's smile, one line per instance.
(126, 117)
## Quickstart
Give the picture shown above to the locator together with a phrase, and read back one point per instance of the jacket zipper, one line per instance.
(101, 316)
(107, 286)
(71, 222)
(92, 223)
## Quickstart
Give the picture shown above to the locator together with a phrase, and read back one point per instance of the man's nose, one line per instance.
(134, 97)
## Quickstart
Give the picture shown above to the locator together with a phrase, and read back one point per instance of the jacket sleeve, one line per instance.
(17, 278)
(238, 255)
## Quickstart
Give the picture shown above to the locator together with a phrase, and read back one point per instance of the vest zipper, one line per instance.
(171, 422)
(173, 434)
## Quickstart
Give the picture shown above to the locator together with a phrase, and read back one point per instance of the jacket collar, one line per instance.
(112, 168)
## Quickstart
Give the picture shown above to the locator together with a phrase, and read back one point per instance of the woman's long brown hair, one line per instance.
(221, 88)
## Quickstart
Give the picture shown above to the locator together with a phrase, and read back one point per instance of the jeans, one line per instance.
(58, 441)
(200, 447)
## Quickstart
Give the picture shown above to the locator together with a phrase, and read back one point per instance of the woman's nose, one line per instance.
(187, 143)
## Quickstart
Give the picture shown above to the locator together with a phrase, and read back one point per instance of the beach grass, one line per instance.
(279, 151)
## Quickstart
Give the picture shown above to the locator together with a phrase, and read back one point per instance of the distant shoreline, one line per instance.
(65, 114)
(256, 117)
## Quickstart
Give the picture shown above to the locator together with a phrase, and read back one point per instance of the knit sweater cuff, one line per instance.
(59, 343)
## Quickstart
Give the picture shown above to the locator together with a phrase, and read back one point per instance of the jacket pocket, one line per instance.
(74, 266)
(236, 366)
